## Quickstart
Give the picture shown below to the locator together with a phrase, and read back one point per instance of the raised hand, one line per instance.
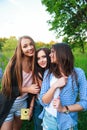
(61, 82)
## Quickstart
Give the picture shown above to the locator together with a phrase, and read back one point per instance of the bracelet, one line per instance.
(67, 112)
(67, 108)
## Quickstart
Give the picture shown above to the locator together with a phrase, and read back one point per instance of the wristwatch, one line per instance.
(67, 112)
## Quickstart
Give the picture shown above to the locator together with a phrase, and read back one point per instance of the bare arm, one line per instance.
(31, 107)
(75, 107)
(72, 108)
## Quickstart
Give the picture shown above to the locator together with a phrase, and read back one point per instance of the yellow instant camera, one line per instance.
(25, 114)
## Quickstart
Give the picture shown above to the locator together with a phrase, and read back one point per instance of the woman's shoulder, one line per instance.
(79, 71)
(46, 71)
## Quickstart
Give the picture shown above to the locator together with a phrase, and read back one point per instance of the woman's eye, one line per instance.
(38, 58)
(24, 46)
(31, 44)
(43, 56)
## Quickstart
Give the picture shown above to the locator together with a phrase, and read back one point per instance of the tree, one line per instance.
(69, 19)
(40, 44)
(2, 42)
(10, 44)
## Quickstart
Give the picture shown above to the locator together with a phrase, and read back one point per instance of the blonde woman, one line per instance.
(17, 84)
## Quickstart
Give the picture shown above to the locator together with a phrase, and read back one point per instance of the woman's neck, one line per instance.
(26, 64)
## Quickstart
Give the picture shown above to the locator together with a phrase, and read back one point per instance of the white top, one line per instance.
(50, 109)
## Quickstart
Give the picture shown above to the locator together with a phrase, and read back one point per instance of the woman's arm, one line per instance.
(31, 107)
(71, 108)
(82, 103)
(33, 89)
(47, 97)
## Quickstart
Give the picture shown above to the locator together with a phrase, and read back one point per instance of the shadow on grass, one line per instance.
(27, 125)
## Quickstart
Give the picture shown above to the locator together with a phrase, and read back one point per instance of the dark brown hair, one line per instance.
(65, 61)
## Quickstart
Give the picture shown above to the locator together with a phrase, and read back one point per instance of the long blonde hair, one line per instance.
(15, 66)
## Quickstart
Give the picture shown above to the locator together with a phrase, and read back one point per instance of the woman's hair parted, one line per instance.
(64, 57)
(16, 63)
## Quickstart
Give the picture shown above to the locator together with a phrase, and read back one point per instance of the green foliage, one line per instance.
(81, 61)
(39, 44)
(2, 42)
(10, 44)
(68, 19)
(82, 122)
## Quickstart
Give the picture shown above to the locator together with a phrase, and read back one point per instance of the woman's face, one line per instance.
(27, 47)
(53, 56)
(42, 59)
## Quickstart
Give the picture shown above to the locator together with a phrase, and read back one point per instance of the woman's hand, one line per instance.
(34, 89)
(61, 82)
(57, 105)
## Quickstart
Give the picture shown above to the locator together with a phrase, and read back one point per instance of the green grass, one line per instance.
(27, 125)
(81, 61)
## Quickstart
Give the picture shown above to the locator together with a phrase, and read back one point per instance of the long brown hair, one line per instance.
(15, 61)
(65, 61)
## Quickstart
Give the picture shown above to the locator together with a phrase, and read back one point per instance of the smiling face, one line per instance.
(27, 47)
(53, 56)
(42, 59)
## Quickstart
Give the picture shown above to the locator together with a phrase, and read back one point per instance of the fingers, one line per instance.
(36, 89)
(56, 103)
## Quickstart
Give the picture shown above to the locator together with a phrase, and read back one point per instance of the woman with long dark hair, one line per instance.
(42, 63)
(59, 97)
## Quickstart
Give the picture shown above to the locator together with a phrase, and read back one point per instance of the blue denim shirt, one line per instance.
(68, 96)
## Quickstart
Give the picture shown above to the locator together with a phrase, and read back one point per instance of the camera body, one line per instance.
(25, 114)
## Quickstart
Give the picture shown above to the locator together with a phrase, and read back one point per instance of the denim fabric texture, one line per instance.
(16, 109)
(50, 123)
